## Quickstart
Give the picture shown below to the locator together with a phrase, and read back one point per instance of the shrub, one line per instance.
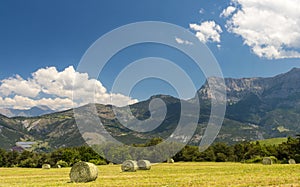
(274, 159)
(28, 163)
(297, 158)
(62, 163)
(221, 157)
(256, 159)
(98, 162)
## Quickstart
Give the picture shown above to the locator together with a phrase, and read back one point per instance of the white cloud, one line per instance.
(228, 11)
(207, 31)
(18, 93)
(21, 102)
(17, 85)
(271, 28)
(181, 41)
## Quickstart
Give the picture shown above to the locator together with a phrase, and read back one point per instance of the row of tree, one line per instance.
(247, 152)
(64, 157)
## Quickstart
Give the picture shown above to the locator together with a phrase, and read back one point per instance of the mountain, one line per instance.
(34, 111)
(273, 104)
(257, 108)
(11, 131)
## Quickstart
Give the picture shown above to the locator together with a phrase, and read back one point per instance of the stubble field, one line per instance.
(177, 174)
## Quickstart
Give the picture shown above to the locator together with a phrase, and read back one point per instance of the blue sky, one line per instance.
(37, 34)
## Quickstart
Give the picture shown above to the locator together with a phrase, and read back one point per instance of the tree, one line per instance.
(221, 157)
(208, 155)
(154, 141)
(12, 159)
(239, 151)
(225, 151)
(71, 156)
(2, 157)
(188, 153)
(28, 163)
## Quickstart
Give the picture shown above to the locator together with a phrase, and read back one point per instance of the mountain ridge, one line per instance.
(257, 108)
(32, 112)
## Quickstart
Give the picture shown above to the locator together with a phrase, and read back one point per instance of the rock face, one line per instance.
(236, 88)
(280, 86)
(270, 105)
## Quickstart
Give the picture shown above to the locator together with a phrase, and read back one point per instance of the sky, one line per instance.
(43, 42)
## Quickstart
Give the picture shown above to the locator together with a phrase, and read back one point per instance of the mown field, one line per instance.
(272, 141)
(177, 174)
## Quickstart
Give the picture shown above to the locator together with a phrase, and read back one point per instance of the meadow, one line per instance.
(177, 174)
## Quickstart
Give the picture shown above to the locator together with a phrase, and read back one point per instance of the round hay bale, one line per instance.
(292, 161)
(170, 161)
(83, 172)
(129, 165)
(57, 166)
(144, 164)
(46, 166)
(267, 161)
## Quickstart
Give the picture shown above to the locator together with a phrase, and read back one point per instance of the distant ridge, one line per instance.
(32, 112)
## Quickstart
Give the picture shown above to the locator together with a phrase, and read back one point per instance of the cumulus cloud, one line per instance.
(228, 11)
(21, 102)
(17, 85)
(271, 28)
(48, 86)
(181, 41)
(207, 31)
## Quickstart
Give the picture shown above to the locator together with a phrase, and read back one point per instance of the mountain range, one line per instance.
(257, 108)
(32, 112)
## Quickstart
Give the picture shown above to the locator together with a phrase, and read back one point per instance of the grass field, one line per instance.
(177, 174)
(272, 141)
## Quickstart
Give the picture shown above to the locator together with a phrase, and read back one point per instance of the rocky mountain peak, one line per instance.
(280, 86)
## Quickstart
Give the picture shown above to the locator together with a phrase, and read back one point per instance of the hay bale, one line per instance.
(292, 161)
(83, 172)
(170, 161)
(129, 165)
(46, 166)
(267, 161)
(144, 164)
(57, 166)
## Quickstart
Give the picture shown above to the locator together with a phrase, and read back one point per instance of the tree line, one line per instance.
(246, 152)
(63, 157)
